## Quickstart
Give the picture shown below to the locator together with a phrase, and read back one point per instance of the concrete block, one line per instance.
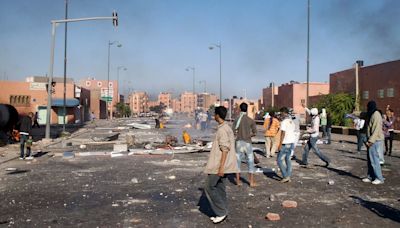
(289, 204)
(120, 147)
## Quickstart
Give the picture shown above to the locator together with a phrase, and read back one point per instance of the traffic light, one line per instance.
(115, 18)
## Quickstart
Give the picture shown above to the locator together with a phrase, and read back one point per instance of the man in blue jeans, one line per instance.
(374, 143)
(288, 138)
(312, 142)
(244, 128)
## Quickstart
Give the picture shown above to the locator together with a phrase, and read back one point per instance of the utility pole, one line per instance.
(65, 66)
(54, 24)
(308, 53)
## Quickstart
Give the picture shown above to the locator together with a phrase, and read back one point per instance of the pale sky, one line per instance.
(262, 41)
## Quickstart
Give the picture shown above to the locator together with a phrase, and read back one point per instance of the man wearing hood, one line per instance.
(312, 142)
(375, 139)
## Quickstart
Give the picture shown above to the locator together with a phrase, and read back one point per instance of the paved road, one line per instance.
(166, 191)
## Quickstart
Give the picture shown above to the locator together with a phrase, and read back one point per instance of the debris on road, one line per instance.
(273, 217)
(289, 204)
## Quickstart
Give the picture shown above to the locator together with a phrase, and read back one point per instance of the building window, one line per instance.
(365, 95)
(20, 100)
(88, 83)
(390, 92)
(99, 84)
(381, 93)
(110, 85)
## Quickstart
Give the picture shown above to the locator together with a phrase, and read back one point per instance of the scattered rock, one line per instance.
(289, 204)
(272, 197)
(273, 217)
(83, 146)
(331, 182)
(135, 180)
(115, 205)
(172, 177)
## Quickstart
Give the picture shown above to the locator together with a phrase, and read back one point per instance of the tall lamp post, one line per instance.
(109, 103)
(54, 24)
(194, 77)
(118, 69)
(308, 53)
(205, 84)
(220, 69)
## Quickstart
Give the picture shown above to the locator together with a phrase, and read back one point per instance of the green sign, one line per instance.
(106, 98)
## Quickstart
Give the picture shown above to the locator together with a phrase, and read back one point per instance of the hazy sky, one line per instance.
(262, 41)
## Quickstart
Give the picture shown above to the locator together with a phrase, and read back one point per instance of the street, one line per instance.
(165, 190)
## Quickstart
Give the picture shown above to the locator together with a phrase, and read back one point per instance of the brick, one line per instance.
(289, 204)
(273, 217)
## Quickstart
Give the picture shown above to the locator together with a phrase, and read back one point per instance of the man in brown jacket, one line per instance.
(222, 160)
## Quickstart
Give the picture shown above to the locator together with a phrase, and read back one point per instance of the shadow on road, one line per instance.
(342, 172)
(362, 159)
(18, 172)
(204, 205)
(379, 209)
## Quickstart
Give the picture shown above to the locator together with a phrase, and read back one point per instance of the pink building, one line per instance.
(293, 94)
(165, 98)
(188, 102)
(176, 105)
(100, 95)
(205, 100)
(138, 102)
(31, 96)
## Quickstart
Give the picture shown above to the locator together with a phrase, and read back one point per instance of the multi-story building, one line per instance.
(31, 96)
(101, 93)
(293, 95)
(268, 96)
(138, 102)
(176, 105)
(378, 82)
(165, 99)
(206, 100)
(188, 102)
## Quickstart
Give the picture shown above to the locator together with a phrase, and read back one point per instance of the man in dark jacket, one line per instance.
(25, 127)
(244, 128)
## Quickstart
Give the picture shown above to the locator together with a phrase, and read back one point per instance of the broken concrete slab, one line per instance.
(120, 148)
(101, 137)
(140, 126)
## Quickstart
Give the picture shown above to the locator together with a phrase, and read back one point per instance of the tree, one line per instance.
(123, 110)
(337, 105)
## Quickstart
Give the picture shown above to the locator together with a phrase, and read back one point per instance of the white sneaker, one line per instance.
(219, 219)
(366, 180)
(377, 181)
(29, 158)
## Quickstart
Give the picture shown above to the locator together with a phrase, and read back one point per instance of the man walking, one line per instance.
(222, 160)
(288, 138)
(312, 142)
(374, 142)
(245, 128)
(25, 127)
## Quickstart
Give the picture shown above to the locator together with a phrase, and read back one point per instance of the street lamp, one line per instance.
(119, 68)
(205, 84)
(109, 115)
(220, 68)
(194, 76)
(54, 24)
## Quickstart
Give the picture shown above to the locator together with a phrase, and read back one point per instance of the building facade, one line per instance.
(31, 96)
(378, 82)
(188, 102)
(138, 102)
(293, 95)
(165, 98)
(101, 93)
(206, 100)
